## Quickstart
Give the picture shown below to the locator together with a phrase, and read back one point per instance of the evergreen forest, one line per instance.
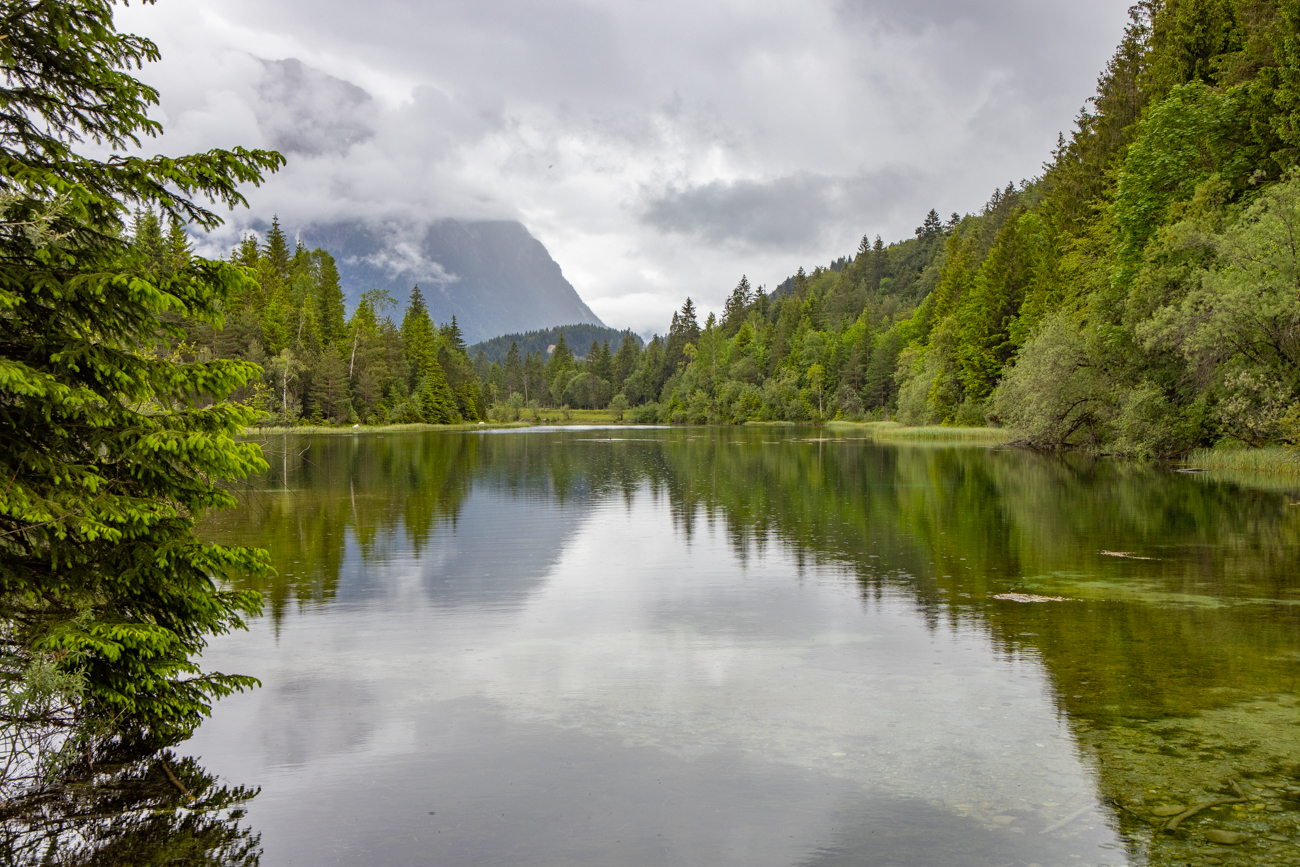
(1137, 297)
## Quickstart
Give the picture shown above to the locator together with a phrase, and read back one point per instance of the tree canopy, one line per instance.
(113, 441)
(1127, 300)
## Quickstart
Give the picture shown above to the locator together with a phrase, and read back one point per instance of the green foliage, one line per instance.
(1240, 321)
(1185, 138)
(66, 81)
(1134, 299)
(538, 341)
(437, 404)
(323, 368)
(115, 439)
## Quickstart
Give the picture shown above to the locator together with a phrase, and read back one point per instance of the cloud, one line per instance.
(657, 149)
(405, 259)
(789, 213)
(307, 112)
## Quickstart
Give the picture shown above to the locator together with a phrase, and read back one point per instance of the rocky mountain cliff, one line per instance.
(493, 276)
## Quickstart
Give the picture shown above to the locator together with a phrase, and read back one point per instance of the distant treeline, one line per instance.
(1138, 298)
(833, 339)
(318, 365)
(497, 348)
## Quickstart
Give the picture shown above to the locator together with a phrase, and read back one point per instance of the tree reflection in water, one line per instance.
(1175, 664)
(131, 805)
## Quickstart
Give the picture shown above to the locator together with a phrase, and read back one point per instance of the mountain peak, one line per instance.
(492, 275)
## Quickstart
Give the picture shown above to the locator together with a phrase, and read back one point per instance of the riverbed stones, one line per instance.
(1164, 810)
(1003, 820)
(1225, 838)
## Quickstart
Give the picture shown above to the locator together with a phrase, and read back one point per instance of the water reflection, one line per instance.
(739, 646)
(130, 805)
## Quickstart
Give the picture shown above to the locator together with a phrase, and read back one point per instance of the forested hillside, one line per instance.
(579, 335)
(317, 366)
(492, 275)
(1139, 297)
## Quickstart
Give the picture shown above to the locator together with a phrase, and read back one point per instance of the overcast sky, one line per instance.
(658, 149)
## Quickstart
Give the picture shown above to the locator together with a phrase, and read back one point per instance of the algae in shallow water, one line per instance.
(1250, 748)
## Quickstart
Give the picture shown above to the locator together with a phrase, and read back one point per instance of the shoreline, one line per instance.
(892, 430)
(580, 418)
(280, 430)
(1276, 461)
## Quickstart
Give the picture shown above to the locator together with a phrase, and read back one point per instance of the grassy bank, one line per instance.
(877, 429)
(1275, 468)
(890, 430)
(278, 430)
(1273, 460)
(527, 419)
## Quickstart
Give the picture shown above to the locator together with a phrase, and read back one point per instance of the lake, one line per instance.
(758, 646)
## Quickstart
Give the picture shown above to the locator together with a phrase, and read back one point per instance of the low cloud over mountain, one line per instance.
(493, 276)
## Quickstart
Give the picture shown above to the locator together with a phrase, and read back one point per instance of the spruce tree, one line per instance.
(535, 378)
(112, 449)
(451, 334)
(558, 370)
(418, 341)
(513, 372)
(689, 323)
(177, 249)
(733, 311)
(328, 297)
(275, 255)
(599, 360)
(437, 403)
(624, 362)
(147, 237)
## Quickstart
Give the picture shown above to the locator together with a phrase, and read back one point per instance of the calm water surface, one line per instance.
(772, 646)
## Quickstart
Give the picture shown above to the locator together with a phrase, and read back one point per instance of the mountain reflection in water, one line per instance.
(738, 646)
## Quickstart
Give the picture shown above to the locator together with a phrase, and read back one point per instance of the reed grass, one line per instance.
(1272, 460)
(891, 430)
(278, 430)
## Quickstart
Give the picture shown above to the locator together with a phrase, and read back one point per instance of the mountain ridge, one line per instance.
(577, 336)
(492, 275)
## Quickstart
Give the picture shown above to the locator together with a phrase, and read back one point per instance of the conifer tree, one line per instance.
(689, 323)
(437, 403)
(931, 228)
(451, 334)
(248, 254)
(535, 387)
(418, 340)
(275, 255)
(177, 247)
(733, 311)
(111, 447)
(328, 296)
(513, 372)
(624, 362)
(599, 360)
(558, 369)
(147, 237)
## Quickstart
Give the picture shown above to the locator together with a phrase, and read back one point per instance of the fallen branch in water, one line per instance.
(1139, 815)
(1172, 825)
(1056, 826)
(1030, 597)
